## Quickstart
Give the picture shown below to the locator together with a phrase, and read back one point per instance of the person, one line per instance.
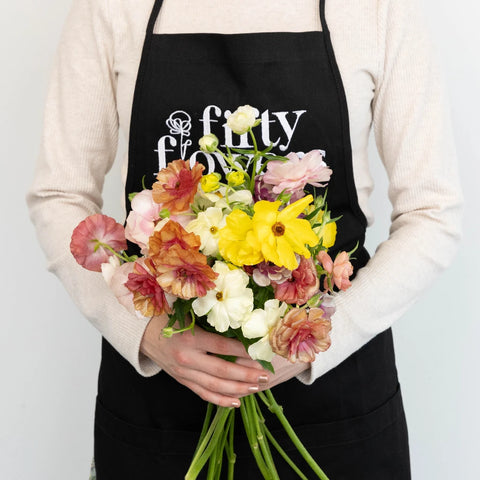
(322, 74)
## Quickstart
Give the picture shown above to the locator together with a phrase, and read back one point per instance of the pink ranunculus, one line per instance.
(264, 191)
(148, 297)
(142, 219)
(90, 238)
(342, 270)
(266, 272)
(325, 261)
(294, 175)
(301, 287)
(301, 334)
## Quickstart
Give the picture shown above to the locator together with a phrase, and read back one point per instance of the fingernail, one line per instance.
(253, 388)
(263, 379)
(235, 403)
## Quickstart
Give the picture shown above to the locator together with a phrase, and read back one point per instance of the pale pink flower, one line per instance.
(266, 272)
(301, 334)
(142, 218)
(91, 238)
(116, 282)
(301, 287)
(294, 175)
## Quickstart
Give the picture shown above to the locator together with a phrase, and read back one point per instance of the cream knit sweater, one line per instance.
(391, 82)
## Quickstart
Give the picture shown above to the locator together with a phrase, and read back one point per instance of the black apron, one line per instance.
(350, 419)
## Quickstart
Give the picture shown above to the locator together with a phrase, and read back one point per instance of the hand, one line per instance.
(188, 358)
(284, 370)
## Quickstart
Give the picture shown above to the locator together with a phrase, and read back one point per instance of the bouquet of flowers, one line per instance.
(245, 256)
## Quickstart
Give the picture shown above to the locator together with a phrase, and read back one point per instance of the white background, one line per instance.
(49, 354)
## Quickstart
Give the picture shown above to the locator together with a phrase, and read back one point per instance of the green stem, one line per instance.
(122, 256)
(259, 426)
(230, 452)
(206, 421)
(209, 443)
(278, 411)
(256, 156)
(252, 441)
(284, 454)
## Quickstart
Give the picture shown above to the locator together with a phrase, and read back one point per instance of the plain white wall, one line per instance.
(49, 354)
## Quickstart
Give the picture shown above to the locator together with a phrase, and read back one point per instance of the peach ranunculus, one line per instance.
(184, 273)
(148, 297)
(93, 238)
(177, 185)
(172, 233)
(142, 218)
(301, 334)
(338, 271)
(302, 285)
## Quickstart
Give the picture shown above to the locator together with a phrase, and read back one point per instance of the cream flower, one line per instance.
(243, 197)
(206, 226)
(242, 119)
(259, 324)
(229, 303)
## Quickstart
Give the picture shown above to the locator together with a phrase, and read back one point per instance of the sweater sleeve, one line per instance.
(414, 140)
(78, 148)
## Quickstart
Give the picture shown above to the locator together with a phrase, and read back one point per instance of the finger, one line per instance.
(217, 344)
(248, 362)
(212, 397)
(224, 369)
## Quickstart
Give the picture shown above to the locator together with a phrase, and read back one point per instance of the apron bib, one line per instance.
(350, 419)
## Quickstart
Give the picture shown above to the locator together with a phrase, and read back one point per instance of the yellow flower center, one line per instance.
(213, 230)
(219, 296)
(278, 229)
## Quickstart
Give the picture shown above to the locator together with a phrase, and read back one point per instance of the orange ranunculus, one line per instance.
(184, 273)
(171, 234)
(177, 185)
(301, 334)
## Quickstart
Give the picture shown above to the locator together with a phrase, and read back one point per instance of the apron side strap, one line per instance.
(153, 16)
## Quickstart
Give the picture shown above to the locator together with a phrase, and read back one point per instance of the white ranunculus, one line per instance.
(108, 268)
(238, 196)
(260, 321)
(261, 350)
(229, 303)
(206, 226)
(242, 119)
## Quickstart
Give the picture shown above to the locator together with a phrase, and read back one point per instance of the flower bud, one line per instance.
(242, 119)
(235, 179)
(210, 182)
(208, 143)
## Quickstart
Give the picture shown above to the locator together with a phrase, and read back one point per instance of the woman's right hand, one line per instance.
(191, 360)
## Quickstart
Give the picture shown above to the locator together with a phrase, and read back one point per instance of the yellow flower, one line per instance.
(235, 179)
(210, 182)
(327, 233)
(280, 234)
(327, 230)
(236, 241)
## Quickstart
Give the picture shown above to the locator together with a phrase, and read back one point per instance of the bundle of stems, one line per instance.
(216, 440)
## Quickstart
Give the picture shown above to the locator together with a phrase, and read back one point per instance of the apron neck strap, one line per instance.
(158, 6)
(153, 16)
(323, 20)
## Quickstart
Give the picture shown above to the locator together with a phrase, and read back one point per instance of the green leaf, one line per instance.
(266, 365)
(181, 310)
